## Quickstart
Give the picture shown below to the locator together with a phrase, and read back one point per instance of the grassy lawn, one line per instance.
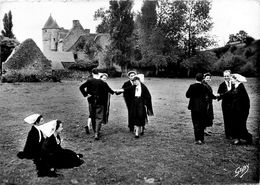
(166, 154)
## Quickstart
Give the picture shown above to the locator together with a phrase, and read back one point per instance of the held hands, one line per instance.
(218, 97)
(118, 91)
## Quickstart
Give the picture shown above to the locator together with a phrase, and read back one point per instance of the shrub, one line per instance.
(232, 49)
(248, 53)
(28, 75)
(112, 72)
(20, 76)
(248, 40)
(248, 69)
(84, 66)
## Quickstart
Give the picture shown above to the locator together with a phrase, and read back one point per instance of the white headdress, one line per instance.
(48, 128)
(32, 118)
(103, 74)
(239, 77)
(141, 77)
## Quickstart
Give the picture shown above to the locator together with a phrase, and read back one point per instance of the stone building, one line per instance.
(61, 45)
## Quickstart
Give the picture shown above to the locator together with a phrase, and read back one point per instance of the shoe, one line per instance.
(20, 155)
(96, 136)
(199, 142)
(236, 142)
(79, 155)
(142, 133)
(49, 174)
(87, 130)
(136, 137)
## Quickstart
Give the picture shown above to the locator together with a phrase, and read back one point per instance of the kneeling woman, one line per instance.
(141, 105)
(52, 153)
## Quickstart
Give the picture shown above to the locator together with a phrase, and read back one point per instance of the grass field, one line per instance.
(166, 154)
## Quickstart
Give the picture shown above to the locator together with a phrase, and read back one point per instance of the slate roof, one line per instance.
(85, 38)
(51, 24)
(58, 57)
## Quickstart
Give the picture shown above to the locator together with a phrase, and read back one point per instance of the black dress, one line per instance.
(141, 106)
(240, 111)
(209, 99)
(33, 145)
(57, 157)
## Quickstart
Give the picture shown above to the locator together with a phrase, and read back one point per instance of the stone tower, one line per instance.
(50, 34)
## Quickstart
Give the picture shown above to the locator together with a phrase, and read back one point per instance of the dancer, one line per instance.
(240, 110)
(226, 103)
(210, 96)
(97, 90)
(127, 98)
(197, 93)
(141, 105)
(103, 76)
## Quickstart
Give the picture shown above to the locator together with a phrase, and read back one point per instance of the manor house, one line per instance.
(61, 45)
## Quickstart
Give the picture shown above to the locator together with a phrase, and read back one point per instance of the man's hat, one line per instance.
(131, 72)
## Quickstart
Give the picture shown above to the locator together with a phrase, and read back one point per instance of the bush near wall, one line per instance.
(25, 75)
(83, 66)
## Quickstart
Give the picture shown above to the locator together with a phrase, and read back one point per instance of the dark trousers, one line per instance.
(198, 125)
(130, 120)
(97, 116)
(226, 110)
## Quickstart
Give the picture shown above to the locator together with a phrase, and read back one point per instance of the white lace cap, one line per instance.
(32, 118)
(48, 128)
(239, 77)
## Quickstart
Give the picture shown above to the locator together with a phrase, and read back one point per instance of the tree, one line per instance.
(186, 24)
(104, 16)
(8, 25)
(201, 62)
(121, 28)
(146, 24)
(171, 19)
(241, 37)
(197, 25)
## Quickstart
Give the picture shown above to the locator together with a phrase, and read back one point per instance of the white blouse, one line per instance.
(138, 91)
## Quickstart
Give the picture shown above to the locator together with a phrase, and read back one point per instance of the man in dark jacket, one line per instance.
(97, 91)
(127, 98)
(197, 93)
(226, 103)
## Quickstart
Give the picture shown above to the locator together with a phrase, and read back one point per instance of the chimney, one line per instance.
(76, 23)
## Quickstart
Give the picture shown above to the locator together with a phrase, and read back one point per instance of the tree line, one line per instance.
(166, 37)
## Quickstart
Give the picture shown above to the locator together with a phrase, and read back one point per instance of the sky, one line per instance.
(29, 16)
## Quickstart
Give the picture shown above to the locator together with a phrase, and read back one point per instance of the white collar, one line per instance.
(237, 84)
